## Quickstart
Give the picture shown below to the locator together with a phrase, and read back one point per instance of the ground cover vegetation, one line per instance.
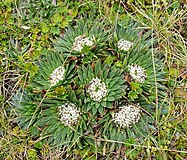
(93, 79)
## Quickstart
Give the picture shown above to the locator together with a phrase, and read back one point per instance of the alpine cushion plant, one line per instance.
(101, 86)
(143, 74)
(98, 99)
(125, 37)
(127, 121)
(53, 71)
(134, 50)
(84, 40)
(63, 122)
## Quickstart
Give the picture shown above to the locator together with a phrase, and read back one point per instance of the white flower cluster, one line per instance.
(69, 114)
(97, 89)
(80, 42)
(57, 75)
(128, 115)
(137, 73)
(124, 45)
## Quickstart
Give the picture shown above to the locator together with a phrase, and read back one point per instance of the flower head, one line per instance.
(57, 75)
(97, 89)
(124, 45)
(69, 114)
(137, 73)
(128, 115)
(80, 42)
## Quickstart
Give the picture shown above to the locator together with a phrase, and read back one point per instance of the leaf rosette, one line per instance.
(101, 86)
(82, 40)
(126, 37)
(64, 123)
(143, 75)
(54, 71)
(125, 122)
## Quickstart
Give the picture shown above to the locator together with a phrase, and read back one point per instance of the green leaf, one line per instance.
(55, 30)
(110, 94)
(174, 72)
(132, 95)
(103, 103)
(38, 145)
(108, 104)
(97, 105)
(110, 98)
(34, 131)
(89, 106)
(45, 28)
(109, 60)
(135, 86)
(94, 110)
(32, 154)
(115, 87)
(57, 18)
(118, 64)
(97, 67)
(79, 143)
(32, 69)
(100, 109)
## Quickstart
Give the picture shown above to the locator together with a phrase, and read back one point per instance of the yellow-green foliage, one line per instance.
(27, 31)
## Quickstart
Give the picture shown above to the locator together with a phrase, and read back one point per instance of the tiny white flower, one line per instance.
(80, 42)
(137, 73)
(88, 42)
(57, 75)
(69, 114)
(128, 115)
(124, 45)
(97, 89)
(25, 27)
